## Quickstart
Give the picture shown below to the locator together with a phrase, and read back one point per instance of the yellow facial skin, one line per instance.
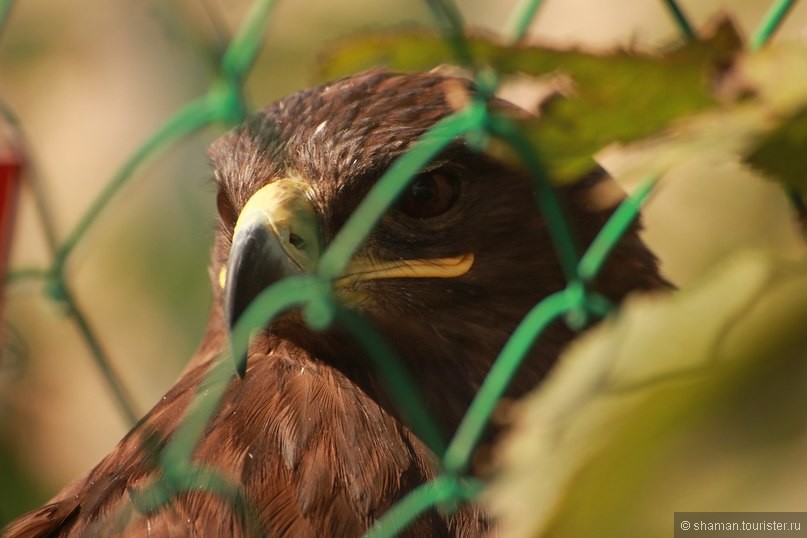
(282, 208)
(362, 269)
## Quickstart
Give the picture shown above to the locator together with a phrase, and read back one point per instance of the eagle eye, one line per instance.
(429, 195)
(226, 209)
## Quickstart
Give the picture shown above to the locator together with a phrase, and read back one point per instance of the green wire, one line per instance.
(397, 380)
(473, 424)
(191, 117)
(771, 22)
(529, 330)
(450, 21)
(223, 103)
(176, 457)
(27, 273)
(116, 386)
(335, 259)
(240, 55)
(289, 293)
(546, 198)
(443, 489)
(522, 17)
(5, 11)
(680, 20)
(627, 212)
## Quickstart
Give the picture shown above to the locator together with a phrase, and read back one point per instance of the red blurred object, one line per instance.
(11, 167)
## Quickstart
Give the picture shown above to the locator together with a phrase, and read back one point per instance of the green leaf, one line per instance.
(761, 124)
(781, 154)
(777, 76)
(690, 401)
(617, 96)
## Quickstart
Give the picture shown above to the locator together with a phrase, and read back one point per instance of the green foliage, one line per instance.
(715, 373)
(777, 77)
(617, 96)
(18, 489)
(691, 401)
(761, 121)
(781, 154)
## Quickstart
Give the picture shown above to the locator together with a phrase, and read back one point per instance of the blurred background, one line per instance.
(90, 80)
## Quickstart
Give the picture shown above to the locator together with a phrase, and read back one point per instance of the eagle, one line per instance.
(309, 435)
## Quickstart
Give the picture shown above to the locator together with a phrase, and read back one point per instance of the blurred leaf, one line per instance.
(693, 401)
(763, 123)
(781, 154)
(706, 139)
(19, 490)
(617, 96)
(778, 77)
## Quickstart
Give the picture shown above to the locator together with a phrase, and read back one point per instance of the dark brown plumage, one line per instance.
(308, 433)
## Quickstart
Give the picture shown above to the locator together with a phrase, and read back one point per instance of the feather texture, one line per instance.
(309, 435)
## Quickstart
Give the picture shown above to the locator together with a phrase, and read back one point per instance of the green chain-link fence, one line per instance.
(224, 104)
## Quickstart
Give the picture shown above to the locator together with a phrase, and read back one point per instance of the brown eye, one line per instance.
(429, 195)
(226, 210)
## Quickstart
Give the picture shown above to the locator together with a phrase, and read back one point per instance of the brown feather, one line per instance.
(309, 435)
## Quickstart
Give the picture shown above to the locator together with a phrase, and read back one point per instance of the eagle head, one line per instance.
(447, 273)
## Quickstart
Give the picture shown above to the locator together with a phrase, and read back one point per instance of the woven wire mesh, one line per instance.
(224, 104)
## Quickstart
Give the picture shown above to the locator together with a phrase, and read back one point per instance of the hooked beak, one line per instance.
(277, 235)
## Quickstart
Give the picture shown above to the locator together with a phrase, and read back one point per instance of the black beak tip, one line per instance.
(232, 313)
(257, 260)
(240, 364)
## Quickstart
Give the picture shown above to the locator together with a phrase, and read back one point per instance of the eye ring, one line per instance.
(429, 195)
(226, 210)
